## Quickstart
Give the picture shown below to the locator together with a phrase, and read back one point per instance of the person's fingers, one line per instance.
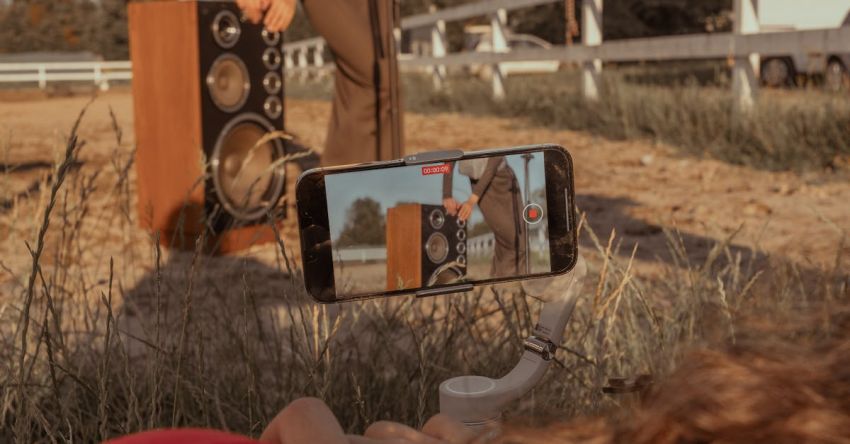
(465, 211)
(280, 15)
(304, 420)
(447, 429)
(357, 439)
(251, 11)
(272, 18)
(388, 430)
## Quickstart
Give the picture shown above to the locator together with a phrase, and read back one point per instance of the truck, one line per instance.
(794, 15)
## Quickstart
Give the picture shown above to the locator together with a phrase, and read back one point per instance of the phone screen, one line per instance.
(420, 226)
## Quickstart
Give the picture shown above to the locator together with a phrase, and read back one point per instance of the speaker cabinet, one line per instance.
(425, 246)
(207, 88)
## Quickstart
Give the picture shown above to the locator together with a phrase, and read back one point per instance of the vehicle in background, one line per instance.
(478, 38)
(793, 15)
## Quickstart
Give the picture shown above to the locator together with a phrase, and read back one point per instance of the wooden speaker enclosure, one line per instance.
(177, 124)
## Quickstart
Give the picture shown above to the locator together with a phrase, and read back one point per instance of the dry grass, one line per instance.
(689, 107)
(104, 333)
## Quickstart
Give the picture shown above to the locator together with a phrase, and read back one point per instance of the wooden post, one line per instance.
(591, 35)
(499, 43)
(745, 73)
(570, 25)
(438, 49)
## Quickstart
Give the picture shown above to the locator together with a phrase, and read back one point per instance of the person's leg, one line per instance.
(353, 134)
(501, 206)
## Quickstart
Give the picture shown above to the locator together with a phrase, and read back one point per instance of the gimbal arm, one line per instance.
(477, 400)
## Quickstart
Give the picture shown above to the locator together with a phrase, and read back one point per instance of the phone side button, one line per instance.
(443, 290)
(433, 156)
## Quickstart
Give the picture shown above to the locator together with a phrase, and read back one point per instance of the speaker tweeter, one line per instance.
(226, 29)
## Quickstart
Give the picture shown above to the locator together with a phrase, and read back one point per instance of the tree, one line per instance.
(364, 224)
(47, 25)
(112, 39)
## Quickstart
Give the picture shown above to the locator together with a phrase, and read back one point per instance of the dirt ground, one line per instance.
(633, 187)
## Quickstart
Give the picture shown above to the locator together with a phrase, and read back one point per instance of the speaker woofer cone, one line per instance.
(272, 83)
(461, 259)
(461, 235)
(229, 83)
(226, 29)
(437, 248)
(271, 38)
(272, 58)
(273, 107)
(245, 185)
(460, 223)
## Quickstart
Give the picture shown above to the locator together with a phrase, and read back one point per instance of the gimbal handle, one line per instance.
(478, 400)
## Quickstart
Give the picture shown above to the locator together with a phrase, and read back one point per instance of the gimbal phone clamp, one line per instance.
(478, 401)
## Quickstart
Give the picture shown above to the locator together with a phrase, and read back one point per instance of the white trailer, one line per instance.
(796, 15)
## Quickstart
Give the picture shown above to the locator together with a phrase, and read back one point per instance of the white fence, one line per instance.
(99, 73)
(744, 46)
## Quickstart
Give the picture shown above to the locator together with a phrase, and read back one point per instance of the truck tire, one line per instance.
(777, 72)
(835, 76)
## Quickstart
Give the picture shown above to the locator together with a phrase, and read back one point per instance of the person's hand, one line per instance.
(309, 420)
(279, 15)
(466, 209)
(253, 9)
(438, 429)
(451, 205)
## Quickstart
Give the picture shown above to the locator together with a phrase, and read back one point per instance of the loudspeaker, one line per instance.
(425, 246)
(207, 87)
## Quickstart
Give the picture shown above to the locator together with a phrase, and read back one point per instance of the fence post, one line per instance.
(319, 59)
(302, 62)
(499, 43)
(42, 77)
(745, 72)
(99, 79)
(438, 49)
(288, 62)
(591, 35)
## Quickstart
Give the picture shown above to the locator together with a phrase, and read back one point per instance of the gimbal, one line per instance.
(478, 401)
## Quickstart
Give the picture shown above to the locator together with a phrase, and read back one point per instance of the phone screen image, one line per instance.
(443, 223)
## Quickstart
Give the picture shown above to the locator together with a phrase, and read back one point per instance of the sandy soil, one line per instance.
(633, 187)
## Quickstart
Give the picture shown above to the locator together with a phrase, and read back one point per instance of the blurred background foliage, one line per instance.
(100, 26)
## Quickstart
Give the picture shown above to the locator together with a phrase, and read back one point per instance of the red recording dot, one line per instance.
(532, 213)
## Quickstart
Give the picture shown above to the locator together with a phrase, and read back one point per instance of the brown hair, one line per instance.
(756, 391)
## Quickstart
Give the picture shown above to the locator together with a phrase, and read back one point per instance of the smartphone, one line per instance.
(437, 222)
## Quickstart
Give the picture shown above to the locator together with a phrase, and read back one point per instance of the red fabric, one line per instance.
(183, 436)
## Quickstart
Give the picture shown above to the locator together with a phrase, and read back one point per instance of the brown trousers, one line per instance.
(360, 131)
(501, 205)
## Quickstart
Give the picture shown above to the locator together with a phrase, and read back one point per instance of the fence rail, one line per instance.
(99, 73)
(306, 57)
(689, 47)
(745, 45)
